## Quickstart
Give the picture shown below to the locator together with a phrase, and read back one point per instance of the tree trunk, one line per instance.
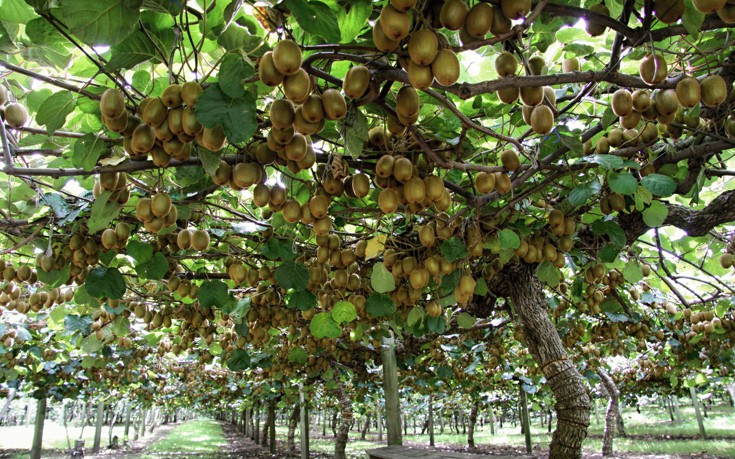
(264, 434)
(543, 341)
(695, 403)
(304, 424)
(272, 426)
(473, 421)
(38, 430)
(492, 420)
(6, 407)
(128, 409)
(431, 420)
(612, 415)
(525, 420)
(345, 406)
(366, 427)
(621, 425)
(390, 387)
(292, 423)
(676, 409)
(98, 427)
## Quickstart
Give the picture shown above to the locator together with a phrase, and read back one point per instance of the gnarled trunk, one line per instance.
(473, 421)
(345, 407)
(612, 415)
(366, 427)
(292, 423)
(572, 401)
(266, 426)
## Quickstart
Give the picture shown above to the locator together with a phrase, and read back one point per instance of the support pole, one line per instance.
(431, 420)
(390, 386)
(272, 428)
(700, 422)
(379, 419)
(38, 431)
(526, 421)
(304, 424)
(128, 409)
(98, 427)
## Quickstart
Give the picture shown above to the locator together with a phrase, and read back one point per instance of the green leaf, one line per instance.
(415, 315)
(655, 215)
(155, 269)
(239, 360)
(303, 300)
(344, 312)
(454, 249)
(298, 355)
(609, 253)
(608, 162)
(632, 273)
(210, 160)
(382, 280)
(136, 49)
(213, 293)
(140, 251)
(508, 239)
(237, 115)
(323, 326)
(353, 18)
(100, 22)
(316, 18)
(16, 11)
(278, 249)
(53, 111)
(692, 20)
(57, 203)
(659, 185)
(74, 323)
(436, 325)
(481, 288)
(87, 150)
(355, 131)
(105, 283)
(581, 193)
(379, 305)
(236, 38)
(53, 279)
(547, 272)
(102, 213)
(292, 275)
(623, 183)
(232, 72)
(464, 320)
(120, 326)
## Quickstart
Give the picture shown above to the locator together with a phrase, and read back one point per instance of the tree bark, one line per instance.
(304, 424)
(572, 401)
(345, 407)
(526, 421)
(390, 387)
(38, 430)
(431, 420)
(272, 426)
(473, 421)
(611, 417)
(366, 427)
(292, 423)
(264, 434)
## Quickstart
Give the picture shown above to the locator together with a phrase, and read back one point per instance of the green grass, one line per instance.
(54, 436)
(194, 437)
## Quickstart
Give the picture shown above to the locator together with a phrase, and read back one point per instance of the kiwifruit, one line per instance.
(3, 95)
(312, 109)
(318, 206)
(378, 137)
(303, 126)
(434, 187)
(727, 13)
(384, 166)
(727, 260)
(445, 67)
(622, 102)
(542, 120)
(297, 86)
(649, 134)
(508, 95)
(501, 23)
(515, 9)
(423, 46)
(282, 114)
(453, 14)
(296, 149)
(714, 90)
(122, 231)
(213, 139)
(479, 20)
(360, 185)
(502, 182)
(154, 113)
(420, 77)
(668, 11)
(506, 64)
(532, 95)
(395, 24)
(190, 92)
(143, 139)
(666, 101)
(108, 180)
(381, 40)
(388, 200)
(223, 174)
(355, 83)
(630, 120)
(403, 5)
(334, 104)
(277, 195)
(510, 160)
(402, 169)
(485, 182)
(602, 147)
(287, 57)
(173, 120)
(163, 133)
(200, 240)
(641, 100)
(189, 122)
(108, 239)
(407, 101)
(118, 124)
(160, 204)
(550, 95)
(408, 120)
(708, 6)
(570, 65)
(594, 29)
(112, 103)
(615, 137)
(267, 71)
(261, 195)
(688, 92)
(414, 190)
(631, 137)
(653, 69)
(172, 97)
(536, 65)
(282, 136)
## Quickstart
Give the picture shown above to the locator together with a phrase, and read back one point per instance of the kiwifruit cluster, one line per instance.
(183, 287)
(670, 11)
(197, 240)
(156, 212)
(474, 23)
(401, 185)
(116, 183)
(14, 113)
(115, 238)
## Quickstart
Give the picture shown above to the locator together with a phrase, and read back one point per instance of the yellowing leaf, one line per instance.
(375, 246)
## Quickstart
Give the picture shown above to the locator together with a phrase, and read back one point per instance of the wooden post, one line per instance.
(390, 386)
(379, 419)
(700, 422)
(304, 424)
(431, 420)
(257, 424)
(143, 415)
(492, 420)
(441, 421)
(38, 430)
(128, 409)
(525, 420)
(676, 409)
(272, 416)
(98, 426)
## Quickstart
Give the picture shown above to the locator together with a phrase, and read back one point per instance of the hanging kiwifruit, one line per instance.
(542, 120)
(708, 6)
(334, 104)
(508, 95)
(287, 57)
(506, 64)
(515, 9)
(502, 182)
(423, 46)
(622, 102)
(630, 120)
(653, 69)
(641, 100)
(395, 24)
(160, 204)
(485, 182)
(305, 127)
(378, 137)
(171, 96)
(3, 95)
(143, 139)
(190, 92)
(282, 113)
(296, 149)
(382, 42)
(154, 112)
(688, 92)
(267, 71)
(532, 95)
(112, 103)
(403, 5)
(420, 77)
(199, 240)
(536, 65)
(189, 122)
(297, 86)
(510, 160)
(356, 82)
(592, 28)
(407, 101)
(213, 139)
(445, 67)
(570, 65)
(453, 14)
(360, 185)
(668, 11)
(312, 109)
(666, 102)
(727, 13)
(501, 23)
(388, 200)
(118, 124)
(714, 90)
(479, 20)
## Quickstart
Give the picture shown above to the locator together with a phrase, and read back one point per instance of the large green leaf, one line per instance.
(135, 49)
(16, 11)
(659, 185)
(292, 275)
(623, 183)
(355, 132)
(344, 312)
(382, 280)
(547, 272)
(353, 18)
(55, 278)
(655, 215)
(105, 283)
(236, 115)
(102, 212)
(239, 360)
(87, 150)
(453, 249)
(213, 293)
(315, 17)
(232, 72)
(380, 305)
(324, 326)
(100, 22)
(55, 109)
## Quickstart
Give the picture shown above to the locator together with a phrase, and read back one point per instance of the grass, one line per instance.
(194, 437)
(54, 436)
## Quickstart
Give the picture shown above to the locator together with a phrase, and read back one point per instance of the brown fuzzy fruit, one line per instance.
(267, 71)
(479, 20)
(622, 102)
(287, 57)
(445, 67)
(506, 64)
(515, 9)
(453, 14)
(199, 240)
(592, 28)
(356, 82)
(395, 24)
(714, 90)
(668, 11)
(112, 103)
(542, 120)
(334, 104)
(688, 92)
(653, 69)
